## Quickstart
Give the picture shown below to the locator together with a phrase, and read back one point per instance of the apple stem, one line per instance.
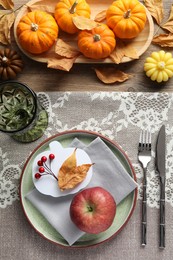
(90, 209)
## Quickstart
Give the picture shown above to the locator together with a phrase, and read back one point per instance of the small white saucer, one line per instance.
(47, 184)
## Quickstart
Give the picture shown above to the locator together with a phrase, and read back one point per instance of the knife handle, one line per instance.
(144, 213)
(162, 224)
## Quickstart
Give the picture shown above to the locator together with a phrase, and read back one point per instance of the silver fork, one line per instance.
(144, 157)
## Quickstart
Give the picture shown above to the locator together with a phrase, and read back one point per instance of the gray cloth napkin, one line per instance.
(108, 173)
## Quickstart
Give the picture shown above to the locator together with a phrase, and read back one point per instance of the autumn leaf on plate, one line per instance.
(123, 49)
(111, 75)
(70, 174)
(83, 23)
(43, 6)
(7, 4)
(6, 22)
(164, 40)
(100, 17)
(169, 24)
(65, 50)
(61, 63)
(155, 7)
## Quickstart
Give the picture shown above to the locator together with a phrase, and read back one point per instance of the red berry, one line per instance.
(41, 169)
(51, 156)
(43, 158)
(37, 175)
(40, 163)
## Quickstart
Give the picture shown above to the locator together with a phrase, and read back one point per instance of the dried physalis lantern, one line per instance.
(159, 66)
(10, 64)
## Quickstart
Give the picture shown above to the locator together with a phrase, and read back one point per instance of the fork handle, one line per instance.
(144, 212)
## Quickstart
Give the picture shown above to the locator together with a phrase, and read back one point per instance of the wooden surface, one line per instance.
(82, 77)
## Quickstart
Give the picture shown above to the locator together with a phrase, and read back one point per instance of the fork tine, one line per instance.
(140, 146)
(148, 140)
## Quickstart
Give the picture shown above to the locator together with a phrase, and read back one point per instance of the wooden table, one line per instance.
(82, 77)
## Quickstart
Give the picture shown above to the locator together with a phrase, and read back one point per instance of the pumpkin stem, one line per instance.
(4, 61)
(34, 27)
(127, 14)
(96, 37)
(73, 7)
(161, 65)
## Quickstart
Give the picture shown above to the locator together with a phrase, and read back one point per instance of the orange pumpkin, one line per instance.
(97, 43)
(126, 18)
(37, 32)
(65, 10)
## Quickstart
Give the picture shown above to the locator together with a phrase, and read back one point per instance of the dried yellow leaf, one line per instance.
(69, 163)
(164, 40)
(43, 6)
(6, 22)
(111, 75)
(155, 7)
(61, 63)
(70, 179)
(123, 49)
(70, 174)
(100, 17)
(65, 50)
(83, 23)
(7, 4)
(169, 24)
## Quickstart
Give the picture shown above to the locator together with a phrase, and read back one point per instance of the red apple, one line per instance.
(93, 210)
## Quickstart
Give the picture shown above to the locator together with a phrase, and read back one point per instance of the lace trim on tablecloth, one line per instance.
(134, 111)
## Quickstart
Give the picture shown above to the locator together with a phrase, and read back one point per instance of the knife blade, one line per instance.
(160, 167)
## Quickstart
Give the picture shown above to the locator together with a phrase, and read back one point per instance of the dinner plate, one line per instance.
(124, 209)
(140, 43)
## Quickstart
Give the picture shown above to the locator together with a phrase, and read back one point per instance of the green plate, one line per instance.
(41, 225)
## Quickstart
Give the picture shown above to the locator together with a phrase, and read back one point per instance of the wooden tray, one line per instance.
(140, 43)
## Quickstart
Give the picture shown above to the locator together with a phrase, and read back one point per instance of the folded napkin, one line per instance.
(108, 173)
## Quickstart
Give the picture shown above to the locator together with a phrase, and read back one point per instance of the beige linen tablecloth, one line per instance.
(119, 116)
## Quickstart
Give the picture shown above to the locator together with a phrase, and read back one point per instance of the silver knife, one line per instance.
(160, 167)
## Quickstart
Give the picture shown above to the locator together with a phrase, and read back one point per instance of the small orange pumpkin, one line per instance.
(37, 31)
(97, 43)
(65, 10)
(126, 18)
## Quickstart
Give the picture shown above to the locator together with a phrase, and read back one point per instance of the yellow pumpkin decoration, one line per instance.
(65, 10)
(37, 31)
(159, 66)
(126, 18)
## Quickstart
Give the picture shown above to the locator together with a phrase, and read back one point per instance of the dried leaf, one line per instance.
(83, 23)
(155, 7)
(164, 40)
(61, 63)
(69, 163)
(43, 6)
(72, 178)
(123, 49)
(65, 50)
(6, 22)
(7, 4)
(169, 24)
(100, 17)
(111, 75)
(70, 174)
